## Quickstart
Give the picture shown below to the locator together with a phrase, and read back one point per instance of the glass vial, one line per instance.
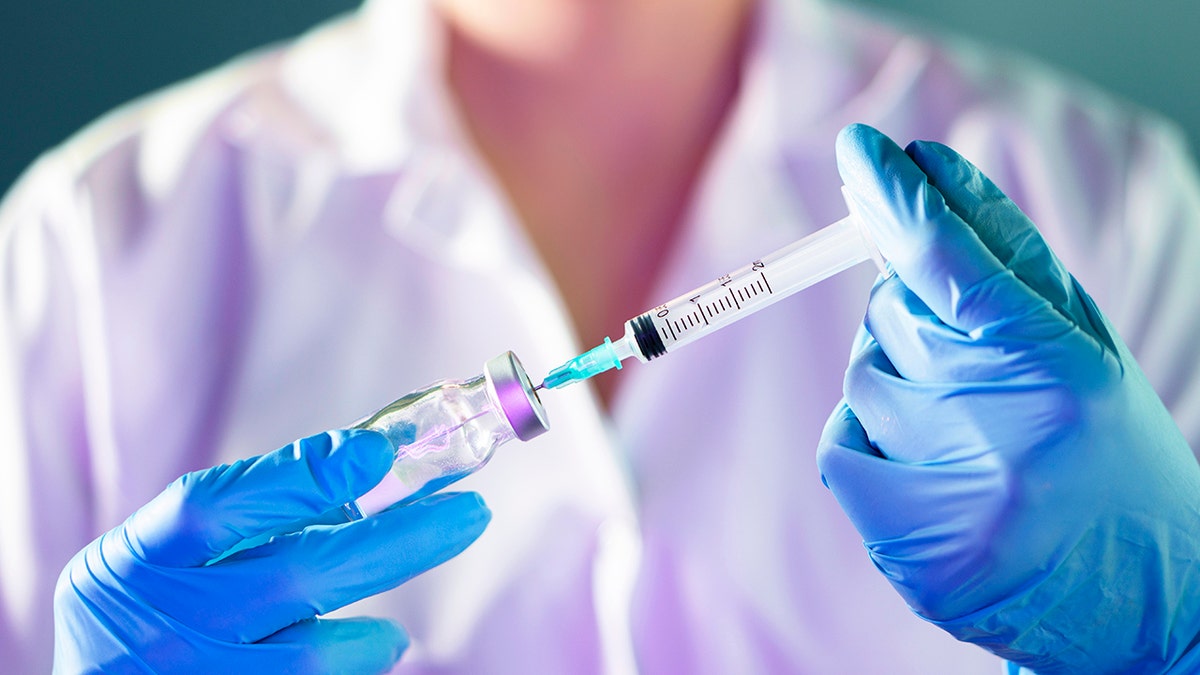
(449, 430)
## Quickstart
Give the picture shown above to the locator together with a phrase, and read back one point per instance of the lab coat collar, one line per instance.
(373, 83)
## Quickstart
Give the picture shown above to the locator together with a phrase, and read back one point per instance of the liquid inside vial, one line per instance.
(450, 429)
(441, 434)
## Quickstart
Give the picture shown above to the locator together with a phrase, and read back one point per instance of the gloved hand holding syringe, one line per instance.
(719, 303)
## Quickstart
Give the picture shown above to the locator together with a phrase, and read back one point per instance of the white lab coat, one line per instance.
(289, 242)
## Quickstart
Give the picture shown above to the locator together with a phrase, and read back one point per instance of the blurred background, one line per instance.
(64, 62)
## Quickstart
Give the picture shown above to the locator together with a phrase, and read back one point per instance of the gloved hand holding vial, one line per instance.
(228, 568)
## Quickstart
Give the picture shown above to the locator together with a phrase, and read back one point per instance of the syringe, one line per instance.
(726, 299)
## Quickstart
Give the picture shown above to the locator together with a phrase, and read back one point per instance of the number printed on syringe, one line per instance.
(721, 297)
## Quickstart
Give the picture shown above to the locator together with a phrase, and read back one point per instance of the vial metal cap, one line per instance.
(512, 390)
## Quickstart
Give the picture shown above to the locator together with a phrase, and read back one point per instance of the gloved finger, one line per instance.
(842, 431)
(1000, 224)
(945, 422)
(939, 257)
(357, 646)
(204, 514)
(255, 592)
(876, 395)
(914, 517)
(863, 336)
(915, 341)
(891, 408)
(850, 466)
(923, 349)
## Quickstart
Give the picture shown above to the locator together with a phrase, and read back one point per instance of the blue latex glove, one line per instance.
(1009, 467)
(147, 596)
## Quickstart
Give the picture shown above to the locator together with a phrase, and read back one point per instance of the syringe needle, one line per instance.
(587, 364)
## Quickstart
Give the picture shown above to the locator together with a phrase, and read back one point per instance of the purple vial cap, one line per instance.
(514, 392)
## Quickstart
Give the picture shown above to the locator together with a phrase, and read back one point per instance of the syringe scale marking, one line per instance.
(731, 298)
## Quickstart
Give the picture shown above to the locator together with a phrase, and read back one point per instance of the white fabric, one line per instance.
(291, 241)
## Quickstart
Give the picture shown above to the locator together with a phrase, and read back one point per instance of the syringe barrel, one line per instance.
(748, 289)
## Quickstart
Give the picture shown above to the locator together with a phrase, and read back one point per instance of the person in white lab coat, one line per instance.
(287, 243)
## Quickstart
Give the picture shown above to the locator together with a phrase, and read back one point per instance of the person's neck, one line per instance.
(596, 116)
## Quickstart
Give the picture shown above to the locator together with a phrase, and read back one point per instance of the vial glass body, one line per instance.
(449, 430)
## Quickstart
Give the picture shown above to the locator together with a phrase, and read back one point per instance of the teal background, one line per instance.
(1146, 51)
(64, 62)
